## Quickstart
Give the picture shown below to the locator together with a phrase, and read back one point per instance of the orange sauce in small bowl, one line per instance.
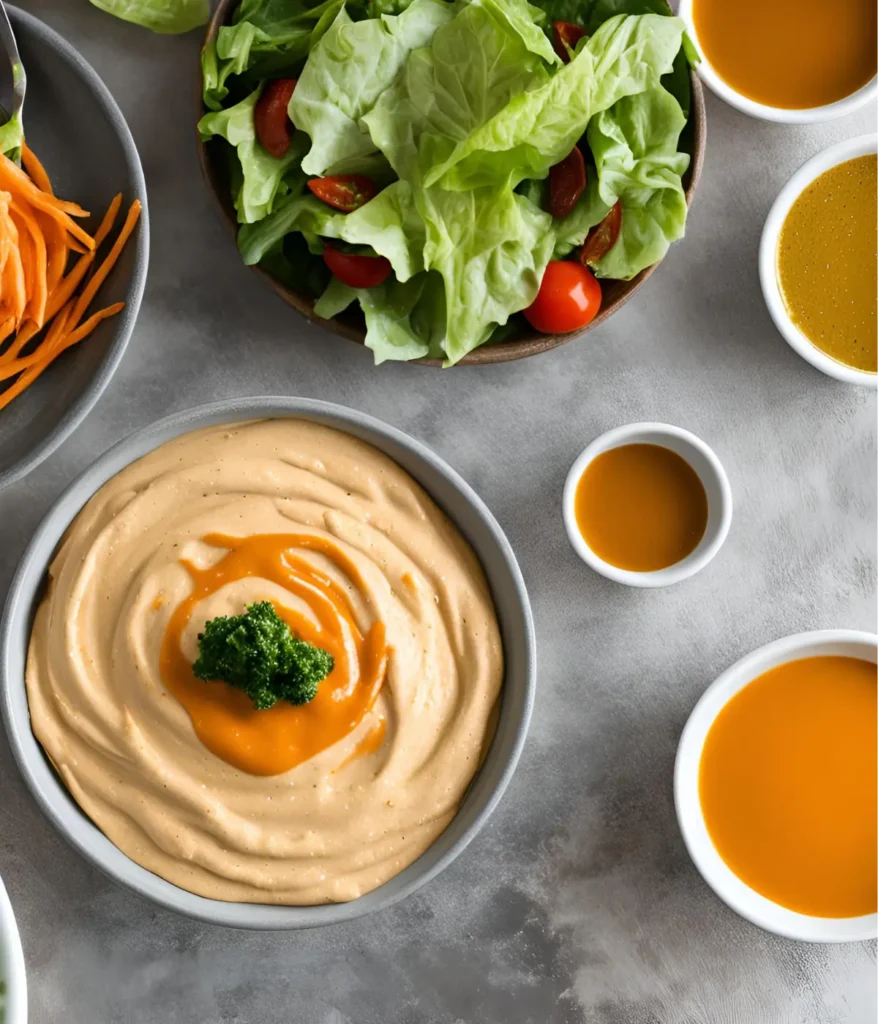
(787, 785)
(791, 54)
(641, 507)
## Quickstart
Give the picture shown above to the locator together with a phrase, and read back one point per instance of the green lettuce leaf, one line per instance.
(262, 174)
(169, 17)
(11, 138)
(292, 263)
(353, 64)
(539, 127)
(391, 225)
(474, 66)
(634, 145)
(266, 38)
(591, 14)
(404, 320)
(296, 211)
(491, 249)
(525, 19)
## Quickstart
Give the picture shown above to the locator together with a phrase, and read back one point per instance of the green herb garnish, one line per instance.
(257, 653)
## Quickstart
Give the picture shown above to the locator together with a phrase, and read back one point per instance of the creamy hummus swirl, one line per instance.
(344, 819)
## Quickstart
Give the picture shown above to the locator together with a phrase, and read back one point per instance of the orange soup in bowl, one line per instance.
(787, 785)
(641, 507)
(792, 54)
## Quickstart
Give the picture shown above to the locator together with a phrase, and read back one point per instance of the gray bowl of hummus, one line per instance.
(359, 540)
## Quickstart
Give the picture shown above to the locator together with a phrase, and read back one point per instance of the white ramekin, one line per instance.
(837, 154)
(711, 473)
(782, 115)
(11, 965)
(718, 875)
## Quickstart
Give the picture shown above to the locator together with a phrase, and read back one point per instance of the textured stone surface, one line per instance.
(578, 902)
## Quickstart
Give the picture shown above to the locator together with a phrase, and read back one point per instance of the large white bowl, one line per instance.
(718, 875)
(11, 966)
(463, 507)
(837, 154)
(701, 457)
(782, 115)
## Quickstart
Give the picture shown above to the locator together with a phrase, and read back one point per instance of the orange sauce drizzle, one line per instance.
(275, 740)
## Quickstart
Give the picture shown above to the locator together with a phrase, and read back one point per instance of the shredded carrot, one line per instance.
(26, 332)
(36, 170)
(106, 225)
(88, 293)
(44, 348)
(24, 381)
(14, 179)
(34, 244)
(44, 303)
(85, 329)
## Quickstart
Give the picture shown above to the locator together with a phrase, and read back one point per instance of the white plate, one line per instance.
(718, 875)
(11, 966)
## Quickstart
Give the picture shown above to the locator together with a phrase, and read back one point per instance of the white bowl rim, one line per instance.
(12, 963)
(650, 433)
(725, 883)
(849, 149)
(74, 825)
(764, 112)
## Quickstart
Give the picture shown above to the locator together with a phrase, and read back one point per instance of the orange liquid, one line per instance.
(277, 739)
(794, 54)
(641, 507)
(788, 786)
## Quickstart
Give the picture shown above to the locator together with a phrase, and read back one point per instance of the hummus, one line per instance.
(292, 805)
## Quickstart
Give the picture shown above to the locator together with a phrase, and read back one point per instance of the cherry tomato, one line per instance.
(568, 299)
(344, 192)
(566, 183)
(274, 129)
(602, 237)
(566, 36)
(357, 271)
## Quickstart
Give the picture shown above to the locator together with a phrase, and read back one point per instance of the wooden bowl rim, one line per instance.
(532, 343)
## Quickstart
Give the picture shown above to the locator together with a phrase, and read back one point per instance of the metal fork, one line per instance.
(13, 80)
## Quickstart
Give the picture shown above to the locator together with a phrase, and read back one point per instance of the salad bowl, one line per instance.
(525, 341)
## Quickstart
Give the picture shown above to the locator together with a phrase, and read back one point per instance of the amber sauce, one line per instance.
(793, 54)
(788, 786)
(641, 507)
(275, 740)
(827, 262)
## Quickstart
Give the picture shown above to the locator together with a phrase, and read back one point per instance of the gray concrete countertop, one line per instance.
(577, 903)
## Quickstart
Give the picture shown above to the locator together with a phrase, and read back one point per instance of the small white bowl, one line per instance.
(863, 145)
(781, 115)
(718, 875)
(11, 966)
(711, 473)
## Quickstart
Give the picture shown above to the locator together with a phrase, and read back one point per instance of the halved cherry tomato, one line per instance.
(274, 129)
(566, 183)
(345, 192)
(357, 271)
(568, 299)
(602, 237)
(566, 36)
